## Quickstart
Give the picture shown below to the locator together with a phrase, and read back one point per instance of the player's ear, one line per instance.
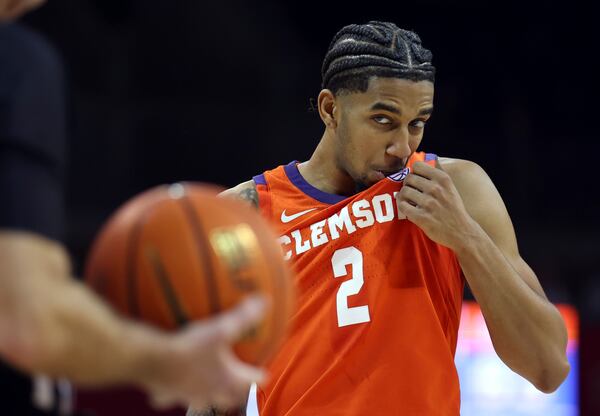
(327, 108)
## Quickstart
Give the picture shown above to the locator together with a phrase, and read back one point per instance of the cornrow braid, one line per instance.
(359, 52)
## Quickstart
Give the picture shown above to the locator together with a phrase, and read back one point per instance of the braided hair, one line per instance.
(382, 49)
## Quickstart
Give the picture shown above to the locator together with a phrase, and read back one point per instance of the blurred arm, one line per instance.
(51, 324)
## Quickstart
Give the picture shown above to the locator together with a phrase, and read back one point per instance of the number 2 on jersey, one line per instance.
(349, 256)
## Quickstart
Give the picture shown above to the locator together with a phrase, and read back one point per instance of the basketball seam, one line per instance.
(202, 244)
(168, 290)
(131, 265)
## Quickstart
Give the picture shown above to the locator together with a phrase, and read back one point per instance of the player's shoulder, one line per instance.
(464, 173)
(245, 191)
(471, 181)
(457, 167)
(475, 187)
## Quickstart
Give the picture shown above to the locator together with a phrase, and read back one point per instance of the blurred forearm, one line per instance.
(51, 324)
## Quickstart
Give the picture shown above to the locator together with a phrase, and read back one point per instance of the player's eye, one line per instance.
(419, 124)
(382, 120)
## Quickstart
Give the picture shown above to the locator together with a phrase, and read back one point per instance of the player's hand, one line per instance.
(430, 200)
(12, 9)
(201, 368)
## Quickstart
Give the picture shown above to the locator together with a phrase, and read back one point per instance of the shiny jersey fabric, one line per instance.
(378, 305)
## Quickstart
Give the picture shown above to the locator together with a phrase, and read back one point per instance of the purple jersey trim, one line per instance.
(293, 174)
(399, 176)
(260, 179)
(430, 156)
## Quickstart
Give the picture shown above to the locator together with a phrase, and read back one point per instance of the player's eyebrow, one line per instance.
(426, 111)
(385, 107)
(396, 110)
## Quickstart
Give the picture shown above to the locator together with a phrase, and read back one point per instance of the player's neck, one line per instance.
(322, 172)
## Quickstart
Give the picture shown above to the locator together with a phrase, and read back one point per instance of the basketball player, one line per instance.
(383, 237)
(51, 324)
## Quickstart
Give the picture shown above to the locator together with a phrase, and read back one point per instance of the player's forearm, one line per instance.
(528, 332)
(74, 335)
(50, 323)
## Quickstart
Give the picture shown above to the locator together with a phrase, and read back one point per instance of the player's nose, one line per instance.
(399, 146)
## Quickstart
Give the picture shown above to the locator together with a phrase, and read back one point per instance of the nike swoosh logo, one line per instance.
(287, 218)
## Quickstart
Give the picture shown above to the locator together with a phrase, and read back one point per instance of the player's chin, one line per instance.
(376, 175)
(369, 179)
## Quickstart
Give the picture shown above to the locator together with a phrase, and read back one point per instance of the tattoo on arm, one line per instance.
(250, 195)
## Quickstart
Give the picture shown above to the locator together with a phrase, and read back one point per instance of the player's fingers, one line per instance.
(428, 171)
(242, 374)
(413, 214)
(232, 325)
(435, 175)
(423, 169)
(418, 182)
(412, 195)
(234, 383)
(228, 326)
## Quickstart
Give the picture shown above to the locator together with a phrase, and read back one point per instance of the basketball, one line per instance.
(178, 253)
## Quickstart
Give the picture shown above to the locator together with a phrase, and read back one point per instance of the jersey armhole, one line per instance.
(429, 158)
(264, 198)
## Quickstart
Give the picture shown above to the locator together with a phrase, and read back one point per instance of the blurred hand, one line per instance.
(201, 368)
(12, 9)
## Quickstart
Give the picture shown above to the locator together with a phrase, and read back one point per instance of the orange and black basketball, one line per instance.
(175, 254)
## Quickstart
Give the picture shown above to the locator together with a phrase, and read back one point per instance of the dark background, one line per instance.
(162, 91)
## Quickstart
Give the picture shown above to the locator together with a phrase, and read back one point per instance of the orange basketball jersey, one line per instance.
(378, 305)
